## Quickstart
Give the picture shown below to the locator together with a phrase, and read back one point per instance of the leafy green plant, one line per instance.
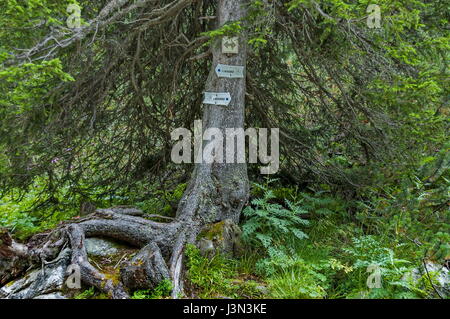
(211, 276)
(86, 294)
(270, 226)
(161, 291)
(367, 251)
(413, 209)
(216, 275)
(308, 273)
(300, 281)
(23, 217)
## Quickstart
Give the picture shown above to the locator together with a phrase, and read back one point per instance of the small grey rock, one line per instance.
(100, 247)
(51, 296)
(206, 247)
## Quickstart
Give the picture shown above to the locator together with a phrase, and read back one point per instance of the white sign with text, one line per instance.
(230, 71)
(217, 98)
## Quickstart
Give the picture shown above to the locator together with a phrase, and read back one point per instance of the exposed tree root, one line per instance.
(161, 256)
(89, 274)
(49, 278)
(13, 258)
(146, 270)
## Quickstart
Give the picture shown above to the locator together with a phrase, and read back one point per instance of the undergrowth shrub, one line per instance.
(217, 276)
(270, 227)
(210, 276)
(367, 251)
(23, 217)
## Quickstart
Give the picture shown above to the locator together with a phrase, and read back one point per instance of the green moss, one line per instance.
(213, 232)
(163, 290)
(113, 275)
(86, 294)
(92, 293)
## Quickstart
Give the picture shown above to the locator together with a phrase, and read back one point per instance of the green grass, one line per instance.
(163, 290)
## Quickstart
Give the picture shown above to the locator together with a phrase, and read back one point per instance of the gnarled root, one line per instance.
(146, 270)
(89, 274)
(13, 258)
(41, 281)
(66, 246)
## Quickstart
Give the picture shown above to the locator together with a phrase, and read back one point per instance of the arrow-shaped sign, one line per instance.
(217, 98)
(229, 71)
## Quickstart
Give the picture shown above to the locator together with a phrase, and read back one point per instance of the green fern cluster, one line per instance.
(270, 223)
(366, 251)
(272, 227)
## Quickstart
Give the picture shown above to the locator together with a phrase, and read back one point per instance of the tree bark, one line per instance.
(219, 191)
(215, 193)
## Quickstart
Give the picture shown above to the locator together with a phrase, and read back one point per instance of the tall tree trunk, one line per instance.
(216, 192)
(219, 191)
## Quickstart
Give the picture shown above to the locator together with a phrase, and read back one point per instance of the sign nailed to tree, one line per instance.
(230, 45)
(230, 71)
(217, 98)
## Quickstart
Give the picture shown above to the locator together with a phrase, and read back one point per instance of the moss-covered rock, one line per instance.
(223, 237)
